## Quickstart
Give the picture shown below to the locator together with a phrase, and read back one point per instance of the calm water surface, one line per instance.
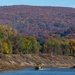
(44, 71)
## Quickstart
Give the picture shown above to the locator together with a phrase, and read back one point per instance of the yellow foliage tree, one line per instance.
(5, 48)
(72, 47)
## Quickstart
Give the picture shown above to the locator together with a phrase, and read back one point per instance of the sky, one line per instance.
(60, 3)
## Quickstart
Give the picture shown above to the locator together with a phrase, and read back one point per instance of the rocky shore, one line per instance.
(16, 61)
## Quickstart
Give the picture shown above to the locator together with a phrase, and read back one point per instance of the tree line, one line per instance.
(11, 42)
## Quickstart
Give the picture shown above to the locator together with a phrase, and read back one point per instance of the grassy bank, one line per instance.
(16, 61)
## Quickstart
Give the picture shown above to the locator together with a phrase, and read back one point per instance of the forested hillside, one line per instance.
(11, 42)
(38, 21)
(36, 34)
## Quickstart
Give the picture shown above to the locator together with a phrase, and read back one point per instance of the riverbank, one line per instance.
(16, 61)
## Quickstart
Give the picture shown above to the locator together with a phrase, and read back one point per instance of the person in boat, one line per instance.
(38, 66)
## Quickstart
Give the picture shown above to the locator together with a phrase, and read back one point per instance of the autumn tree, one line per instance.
(5, 48)
(72, 47)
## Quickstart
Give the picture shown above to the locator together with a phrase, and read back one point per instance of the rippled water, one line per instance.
(44, 71)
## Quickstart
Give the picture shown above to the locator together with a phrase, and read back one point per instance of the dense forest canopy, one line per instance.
(38, 21)
(35, 29)
(11, 42)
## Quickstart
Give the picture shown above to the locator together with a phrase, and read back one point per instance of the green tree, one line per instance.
(14, 42)
(35, 45)
(52, 45)
(26, 45)
(1, 48)
(64, 46)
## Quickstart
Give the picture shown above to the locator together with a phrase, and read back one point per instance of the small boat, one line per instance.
(38, 67)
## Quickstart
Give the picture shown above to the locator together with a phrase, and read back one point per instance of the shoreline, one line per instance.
(25, 67)
(17, 62)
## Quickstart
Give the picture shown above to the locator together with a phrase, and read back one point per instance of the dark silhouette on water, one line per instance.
(38, 66)
(73, 67)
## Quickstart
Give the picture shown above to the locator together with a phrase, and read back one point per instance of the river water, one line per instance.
(44, 71)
